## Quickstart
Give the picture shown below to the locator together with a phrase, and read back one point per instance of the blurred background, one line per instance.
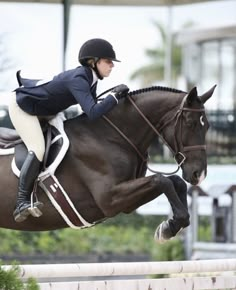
(178, 44)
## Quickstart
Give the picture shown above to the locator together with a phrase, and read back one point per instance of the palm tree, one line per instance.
(155, 70)
(6, 63)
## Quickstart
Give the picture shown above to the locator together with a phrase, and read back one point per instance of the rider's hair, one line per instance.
(90, 62)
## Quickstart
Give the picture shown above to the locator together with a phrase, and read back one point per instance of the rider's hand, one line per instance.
(120, 91)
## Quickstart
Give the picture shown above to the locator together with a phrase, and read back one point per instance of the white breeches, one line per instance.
(28, 127)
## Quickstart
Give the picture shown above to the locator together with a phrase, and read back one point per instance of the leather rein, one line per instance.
(179, 147)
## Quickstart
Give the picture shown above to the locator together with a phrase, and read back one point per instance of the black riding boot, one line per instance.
(28, 175)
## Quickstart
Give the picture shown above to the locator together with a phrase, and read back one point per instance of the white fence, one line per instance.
(208, 274)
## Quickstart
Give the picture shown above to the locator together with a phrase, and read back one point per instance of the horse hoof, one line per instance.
(163, 233)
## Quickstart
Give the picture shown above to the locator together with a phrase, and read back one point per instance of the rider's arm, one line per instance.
(80, 89)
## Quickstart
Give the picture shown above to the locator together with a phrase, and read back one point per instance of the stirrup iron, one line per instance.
(33, 209)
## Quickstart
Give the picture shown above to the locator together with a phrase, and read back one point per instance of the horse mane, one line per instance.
(154, 88)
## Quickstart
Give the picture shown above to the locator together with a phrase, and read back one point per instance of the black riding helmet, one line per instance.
(96, 48)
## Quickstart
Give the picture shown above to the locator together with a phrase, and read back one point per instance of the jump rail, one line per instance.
(221, 275)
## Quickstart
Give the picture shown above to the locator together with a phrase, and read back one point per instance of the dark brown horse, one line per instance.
(104, 172)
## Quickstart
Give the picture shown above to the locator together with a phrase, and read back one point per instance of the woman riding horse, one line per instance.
(37, 98)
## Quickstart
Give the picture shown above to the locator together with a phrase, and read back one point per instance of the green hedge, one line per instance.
(124, 234)
(9, 280)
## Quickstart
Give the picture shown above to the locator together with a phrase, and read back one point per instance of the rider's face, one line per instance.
(105, 67)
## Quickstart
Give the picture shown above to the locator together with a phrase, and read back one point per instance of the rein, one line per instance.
(178, 151)
(160, 136)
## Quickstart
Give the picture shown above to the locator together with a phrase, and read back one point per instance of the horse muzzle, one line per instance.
(195, 177)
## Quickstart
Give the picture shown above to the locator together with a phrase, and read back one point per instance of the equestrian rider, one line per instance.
(36, 98)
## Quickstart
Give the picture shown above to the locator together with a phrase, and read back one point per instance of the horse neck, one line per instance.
(155, 106)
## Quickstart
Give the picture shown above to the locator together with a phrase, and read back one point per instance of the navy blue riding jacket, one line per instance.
(68, 88)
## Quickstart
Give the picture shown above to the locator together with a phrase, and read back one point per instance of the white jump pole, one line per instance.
(186, 283)
(125, 269)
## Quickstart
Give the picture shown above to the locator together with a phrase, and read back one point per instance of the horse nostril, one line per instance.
(195, 174)
(199, 177)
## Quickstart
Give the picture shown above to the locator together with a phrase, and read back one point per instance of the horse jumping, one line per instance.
(104, 168)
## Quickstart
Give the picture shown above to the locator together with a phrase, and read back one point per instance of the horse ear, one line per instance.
(207, 95)
(192, 95)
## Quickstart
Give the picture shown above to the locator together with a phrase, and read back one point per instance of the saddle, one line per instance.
(56, 142)
(9, 139)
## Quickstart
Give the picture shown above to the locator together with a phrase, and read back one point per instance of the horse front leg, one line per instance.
(171, 227)
(129, 195)
(180, 188)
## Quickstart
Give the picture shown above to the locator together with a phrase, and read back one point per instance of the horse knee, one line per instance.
(162, 183)
(179, 183)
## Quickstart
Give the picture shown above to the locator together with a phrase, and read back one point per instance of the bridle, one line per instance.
(179, 149)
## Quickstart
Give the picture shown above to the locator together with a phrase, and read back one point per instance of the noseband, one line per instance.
(179, 149)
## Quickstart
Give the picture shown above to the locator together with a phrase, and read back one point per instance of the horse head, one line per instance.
(179, 119)
(187, 136)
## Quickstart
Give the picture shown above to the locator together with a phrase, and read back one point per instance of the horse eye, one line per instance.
(201, 121)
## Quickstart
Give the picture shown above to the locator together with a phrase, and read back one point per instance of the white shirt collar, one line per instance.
(95, 78)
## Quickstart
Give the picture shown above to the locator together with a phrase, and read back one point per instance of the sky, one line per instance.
(32, 35)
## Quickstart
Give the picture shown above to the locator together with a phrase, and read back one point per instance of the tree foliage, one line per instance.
(154, 71)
